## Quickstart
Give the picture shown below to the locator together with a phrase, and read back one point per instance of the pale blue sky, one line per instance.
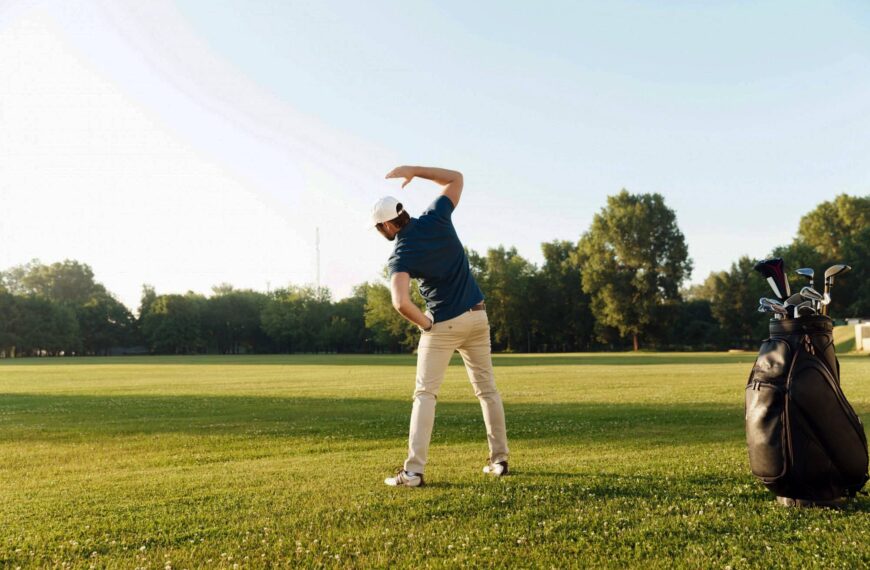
(273, 118)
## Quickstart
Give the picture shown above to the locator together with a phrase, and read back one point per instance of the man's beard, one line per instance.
(385, 234)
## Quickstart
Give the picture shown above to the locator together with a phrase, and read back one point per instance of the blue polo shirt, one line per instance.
(429, 250)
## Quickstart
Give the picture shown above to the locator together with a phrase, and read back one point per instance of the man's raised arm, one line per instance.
(451, 180)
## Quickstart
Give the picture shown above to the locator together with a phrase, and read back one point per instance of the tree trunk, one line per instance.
(634, 339)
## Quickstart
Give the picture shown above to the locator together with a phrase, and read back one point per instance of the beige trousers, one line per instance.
(469, 334)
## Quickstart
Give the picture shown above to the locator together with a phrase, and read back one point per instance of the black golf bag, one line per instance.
(805, 440)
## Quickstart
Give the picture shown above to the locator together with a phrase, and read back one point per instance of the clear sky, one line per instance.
(185, 144)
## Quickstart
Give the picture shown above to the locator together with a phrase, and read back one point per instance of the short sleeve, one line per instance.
(395, 265)
(442, 207)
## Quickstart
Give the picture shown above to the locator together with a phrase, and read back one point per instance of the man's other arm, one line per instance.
(400, 284)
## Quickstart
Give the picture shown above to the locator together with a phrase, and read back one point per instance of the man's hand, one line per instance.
(406, 172)
(451, 180)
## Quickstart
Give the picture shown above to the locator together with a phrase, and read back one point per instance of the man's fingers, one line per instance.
(398, 173)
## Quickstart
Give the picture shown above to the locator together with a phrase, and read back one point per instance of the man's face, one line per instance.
(388, 230)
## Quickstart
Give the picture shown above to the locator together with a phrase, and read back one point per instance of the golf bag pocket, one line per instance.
(765, 406)
(765, 411)
(772, 363)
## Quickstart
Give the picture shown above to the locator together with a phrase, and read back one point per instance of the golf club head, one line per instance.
(768, 305)
(805, 309)
(774, 271)
(776, 316)
(836, 270)
(791, 303)
(807, 272)
(830, 273)
(795, 299)
(811, 294)
(772, 305)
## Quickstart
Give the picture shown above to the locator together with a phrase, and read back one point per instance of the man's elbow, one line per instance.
(399, 304)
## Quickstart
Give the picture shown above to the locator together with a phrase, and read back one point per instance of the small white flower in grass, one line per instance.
(142, 548)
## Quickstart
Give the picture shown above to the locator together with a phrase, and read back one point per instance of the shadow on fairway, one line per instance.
(58, 417)
(579, 359)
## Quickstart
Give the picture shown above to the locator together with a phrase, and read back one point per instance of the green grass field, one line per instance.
(618, 460)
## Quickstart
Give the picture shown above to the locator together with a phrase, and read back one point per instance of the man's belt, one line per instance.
(478, 307)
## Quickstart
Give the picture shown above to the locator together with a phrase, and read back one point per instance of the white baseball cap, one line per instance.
(385, 209)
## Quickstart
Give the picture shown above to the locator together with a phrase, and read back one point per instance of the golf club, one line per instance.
(830, 273)
(807, 272)
(805, 309)
(767, 305)
(774, 271)
(792, 302)
(813, 295)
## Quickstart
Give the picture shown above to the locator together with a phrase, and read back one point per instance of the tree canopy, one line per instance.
(620, 283)
(633, 258)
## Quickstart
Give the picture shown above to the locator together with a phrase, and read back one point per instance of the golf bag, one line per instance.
(805, 440)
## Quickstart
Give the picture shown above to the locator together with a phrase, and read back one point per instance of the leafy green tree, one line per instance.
(173, 324)
(231, 320)
(104, 323)
(852, 292)
(831, 225)
(508, 286)
(12, 279)
(45, 327)
(149, 295)
(346, 331)
(564, 318)
(837, 231)
(733, 296)
(9, 338)
(296, 318)
(633, 259)
(697, 329)
(389, 330)
(63, 282)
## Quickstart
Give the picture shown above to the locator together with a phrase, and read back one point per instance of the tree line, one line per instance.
(620, 286)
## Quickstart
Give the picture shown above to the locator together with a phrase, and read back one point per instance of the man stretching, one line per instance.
(428, 249)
